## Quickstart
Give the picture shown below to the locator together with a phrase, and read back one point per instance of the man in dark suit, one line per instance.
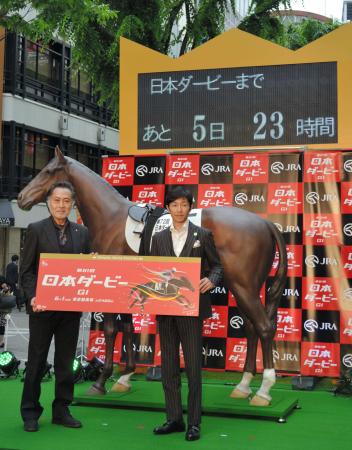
(12, 272)
(55, 234)
(185, 239)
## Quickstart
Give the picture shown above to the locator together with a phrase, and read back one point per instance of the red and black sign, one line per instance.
(309, 198)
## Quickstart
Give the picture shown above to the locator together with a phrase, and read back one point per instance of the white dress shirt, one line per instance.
(179, 237)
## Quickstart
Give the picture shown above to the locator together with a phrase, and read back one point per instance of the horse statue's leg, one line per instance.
(254, 311)
(110, 332)
(262, 397)
(245, 277)
(123, 383)
(243, 389)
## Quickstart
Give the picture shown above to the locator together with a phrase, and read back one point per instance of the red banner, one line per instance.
(123, 284)
(309, 198)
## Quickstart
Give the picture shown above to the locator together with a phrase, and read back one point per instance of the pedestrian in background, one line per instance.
(4, 291)
(12, 279)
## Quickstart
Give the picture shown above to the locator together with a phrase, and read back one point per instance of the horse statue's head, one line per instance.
(37, 189)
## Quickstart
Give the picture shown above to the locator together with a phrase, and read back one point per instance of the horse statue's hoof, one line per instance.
(94, 390)
(118, 387)
(259, 401)
(237, 393)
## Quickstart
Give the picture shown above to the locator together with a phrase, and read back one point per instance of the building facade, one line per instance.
(347, 11)
(233, 19)
(44, 103)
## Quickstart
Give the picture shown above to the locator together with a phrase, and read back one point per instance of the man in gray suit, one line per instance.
(185, 239)
(55, 234)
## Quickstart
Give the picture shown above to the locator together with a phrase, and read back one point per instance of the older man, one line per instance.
(56, 234)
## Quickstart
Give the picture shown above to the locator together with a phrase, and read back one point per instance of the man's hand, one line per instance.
(205, 285)
(37, 308)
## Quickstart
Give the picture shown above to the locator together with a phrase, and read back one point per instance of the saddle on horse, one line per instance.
(145, 217)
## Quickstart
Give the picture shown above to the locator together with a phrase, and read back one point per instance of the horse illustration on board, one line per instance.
(161, 290)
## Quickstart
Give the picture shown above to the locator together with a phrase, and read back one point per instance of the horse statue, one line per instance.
(245, 242)
(162, 291)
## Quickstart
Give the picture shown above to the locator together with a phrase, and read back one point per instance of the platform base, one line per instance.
(216, 400)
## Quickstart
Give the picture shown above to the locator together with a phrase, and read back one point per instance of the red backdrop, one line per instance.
(309, 198)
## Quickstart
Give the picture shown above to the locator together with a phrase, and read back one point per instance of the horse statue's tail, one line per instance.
(278, 285)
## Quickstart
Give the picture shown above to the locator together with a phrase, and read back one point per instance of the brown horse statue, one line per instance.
(245, 242)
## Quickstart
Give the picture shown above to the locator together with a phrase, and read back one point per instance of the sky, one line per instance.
(329, 8)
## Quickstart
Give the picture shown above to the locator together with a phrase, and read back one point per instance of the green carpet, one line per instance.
(323, 423)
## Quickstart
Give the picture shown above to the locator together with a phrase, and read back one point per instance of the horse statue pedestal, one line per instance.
(216, 400)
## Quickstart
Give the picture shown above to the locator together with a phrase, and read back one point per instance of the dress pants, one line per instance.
(64, 326)
(174, 330)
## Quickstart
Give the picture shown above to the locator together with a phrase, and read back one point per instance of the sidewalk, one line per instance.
(17, 336)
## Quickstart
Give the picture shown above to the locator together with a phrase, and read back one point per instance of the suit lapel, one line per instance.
(169, 250)
(192, 236)
(51, 235)
(75, 234)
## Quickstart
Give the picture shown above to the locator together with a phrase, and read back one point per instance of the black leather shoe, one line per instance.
(31, 425)
(170, 427)
(192, 433)
(67, 421)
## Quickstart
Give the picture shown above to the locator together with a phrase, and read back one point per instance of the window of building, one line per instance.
(37, 153)
(43, 64)
(45, 74)
(42, 152)
(45, 68)
(31, 151)
(85, 86)
(28, 154)
(31, 62)
(74, 82)
(81, 85)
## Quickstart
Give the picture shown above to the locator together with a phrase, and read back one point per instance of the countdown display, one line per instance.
(244, 106)
(237, 91)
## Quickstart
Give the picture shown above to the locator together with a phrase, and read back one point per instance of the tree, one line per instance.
(94, 28)
(301, 34)
(264, 21)
(261, 21)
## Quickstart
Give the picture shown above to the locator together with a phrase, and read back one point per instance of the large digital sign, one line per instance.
(236, 92)
(245, 106)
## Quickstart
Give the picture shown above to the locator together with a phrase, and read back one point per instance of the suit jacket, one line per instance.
(210, 265)
(41, 237)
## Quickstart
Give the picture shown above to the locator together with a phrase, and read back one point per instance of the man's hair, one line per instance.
(14, 258)
(178, 192)
(63, 185)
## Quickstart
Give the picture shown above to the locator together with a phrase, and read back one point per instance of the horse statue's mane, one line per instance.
(97, 178)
